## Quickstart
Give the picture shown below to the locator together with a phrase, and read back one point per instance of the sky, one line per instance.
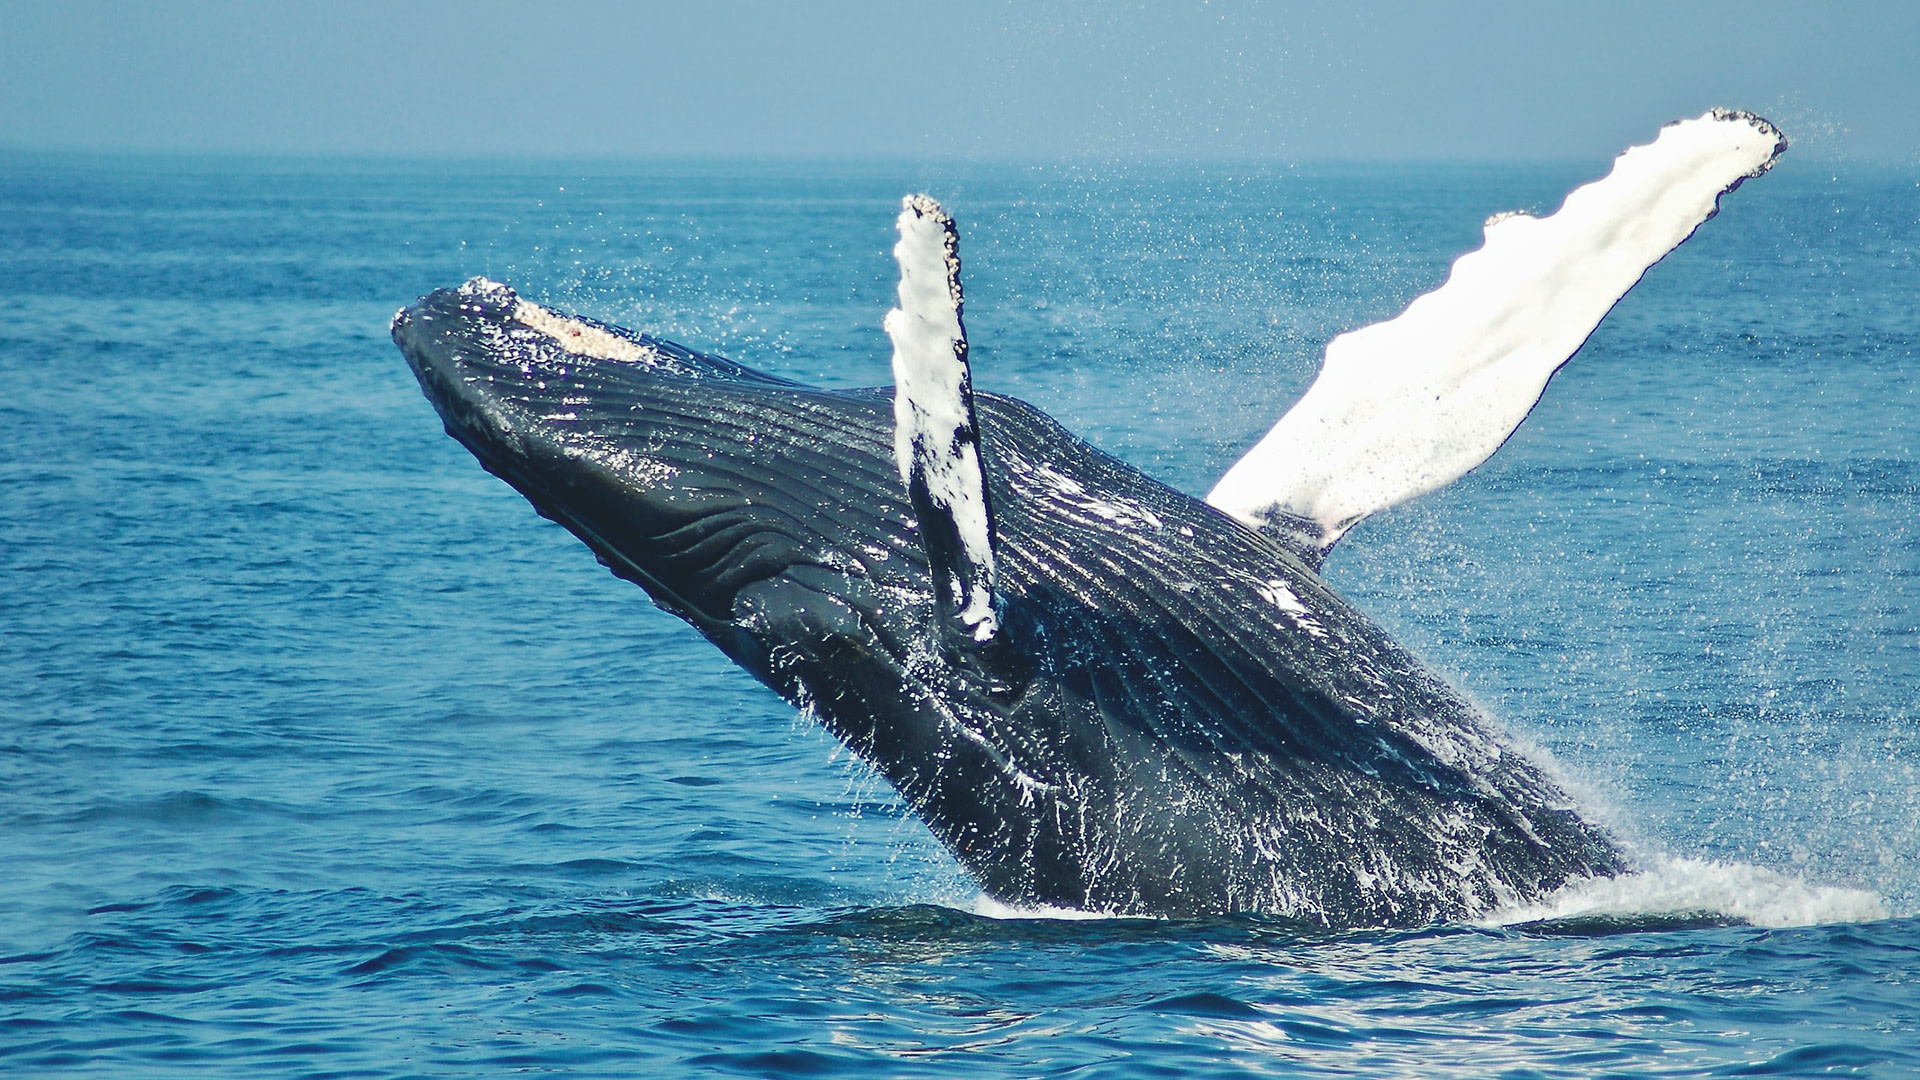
(995, 80)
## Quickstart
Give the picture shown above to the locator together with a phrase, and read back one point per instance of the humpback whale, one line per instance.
(1098, 692)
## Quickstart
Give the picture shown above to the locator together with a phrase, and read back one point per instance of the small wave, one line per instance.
(1668, 887)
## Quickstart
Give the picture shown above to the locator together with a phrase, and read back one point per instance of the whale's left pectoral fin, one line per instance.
(1403, 407)
(936, 439)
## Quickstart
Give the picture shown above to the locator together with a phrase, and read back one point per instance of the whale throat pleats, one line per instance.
(1406, 406)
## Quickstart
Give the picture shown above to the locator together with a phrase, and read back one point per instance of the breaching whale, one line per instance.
(1098, 692)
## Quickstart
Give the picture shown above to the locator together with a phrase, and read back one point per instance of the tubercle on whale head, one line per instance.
(492, 314)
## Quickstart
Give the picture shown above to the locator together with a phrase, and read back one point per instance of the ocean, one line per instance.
(321, 755)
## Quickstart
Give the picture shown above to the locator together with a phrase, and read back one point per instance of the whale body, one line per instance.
(1098, 692)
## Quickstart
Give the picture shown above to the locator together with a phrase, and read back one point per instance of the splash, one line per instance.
(1682, 886)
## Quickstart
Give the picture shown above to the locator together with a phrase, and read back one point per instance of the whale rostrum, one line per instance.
(1098, 692)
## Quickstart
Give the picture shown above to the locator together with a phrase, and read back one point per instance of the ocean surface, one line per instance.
(322, 755)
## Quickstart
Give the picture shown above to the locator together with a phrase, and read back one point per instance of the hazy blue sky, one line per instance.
(994, 79)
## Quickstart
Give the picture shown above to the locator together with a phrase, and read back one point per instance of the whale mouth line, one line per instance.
(629, 568)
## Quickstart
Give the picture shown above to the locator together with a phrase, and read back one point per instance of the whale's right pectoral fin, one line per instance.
(936, 438)
(1406, 406)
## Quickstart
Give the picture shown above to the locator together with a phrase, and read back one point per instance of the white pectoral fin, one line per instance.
(1406, 406)
(936, 440)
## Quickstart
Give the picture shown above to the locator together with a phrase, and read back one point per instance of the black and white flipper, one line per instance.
(936, 441)
(1406, 406)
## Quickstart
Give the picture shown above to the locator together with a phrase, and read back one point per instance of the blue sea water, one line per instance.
(322, 755)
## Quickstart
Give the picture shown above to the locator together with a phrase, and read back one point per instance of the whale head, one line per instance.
(703, 481)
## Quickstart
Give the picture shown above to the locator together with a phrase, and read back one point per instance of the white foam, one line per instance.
(1277, 593)
(1406, 406)
(987, 907)
(1684, 886)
